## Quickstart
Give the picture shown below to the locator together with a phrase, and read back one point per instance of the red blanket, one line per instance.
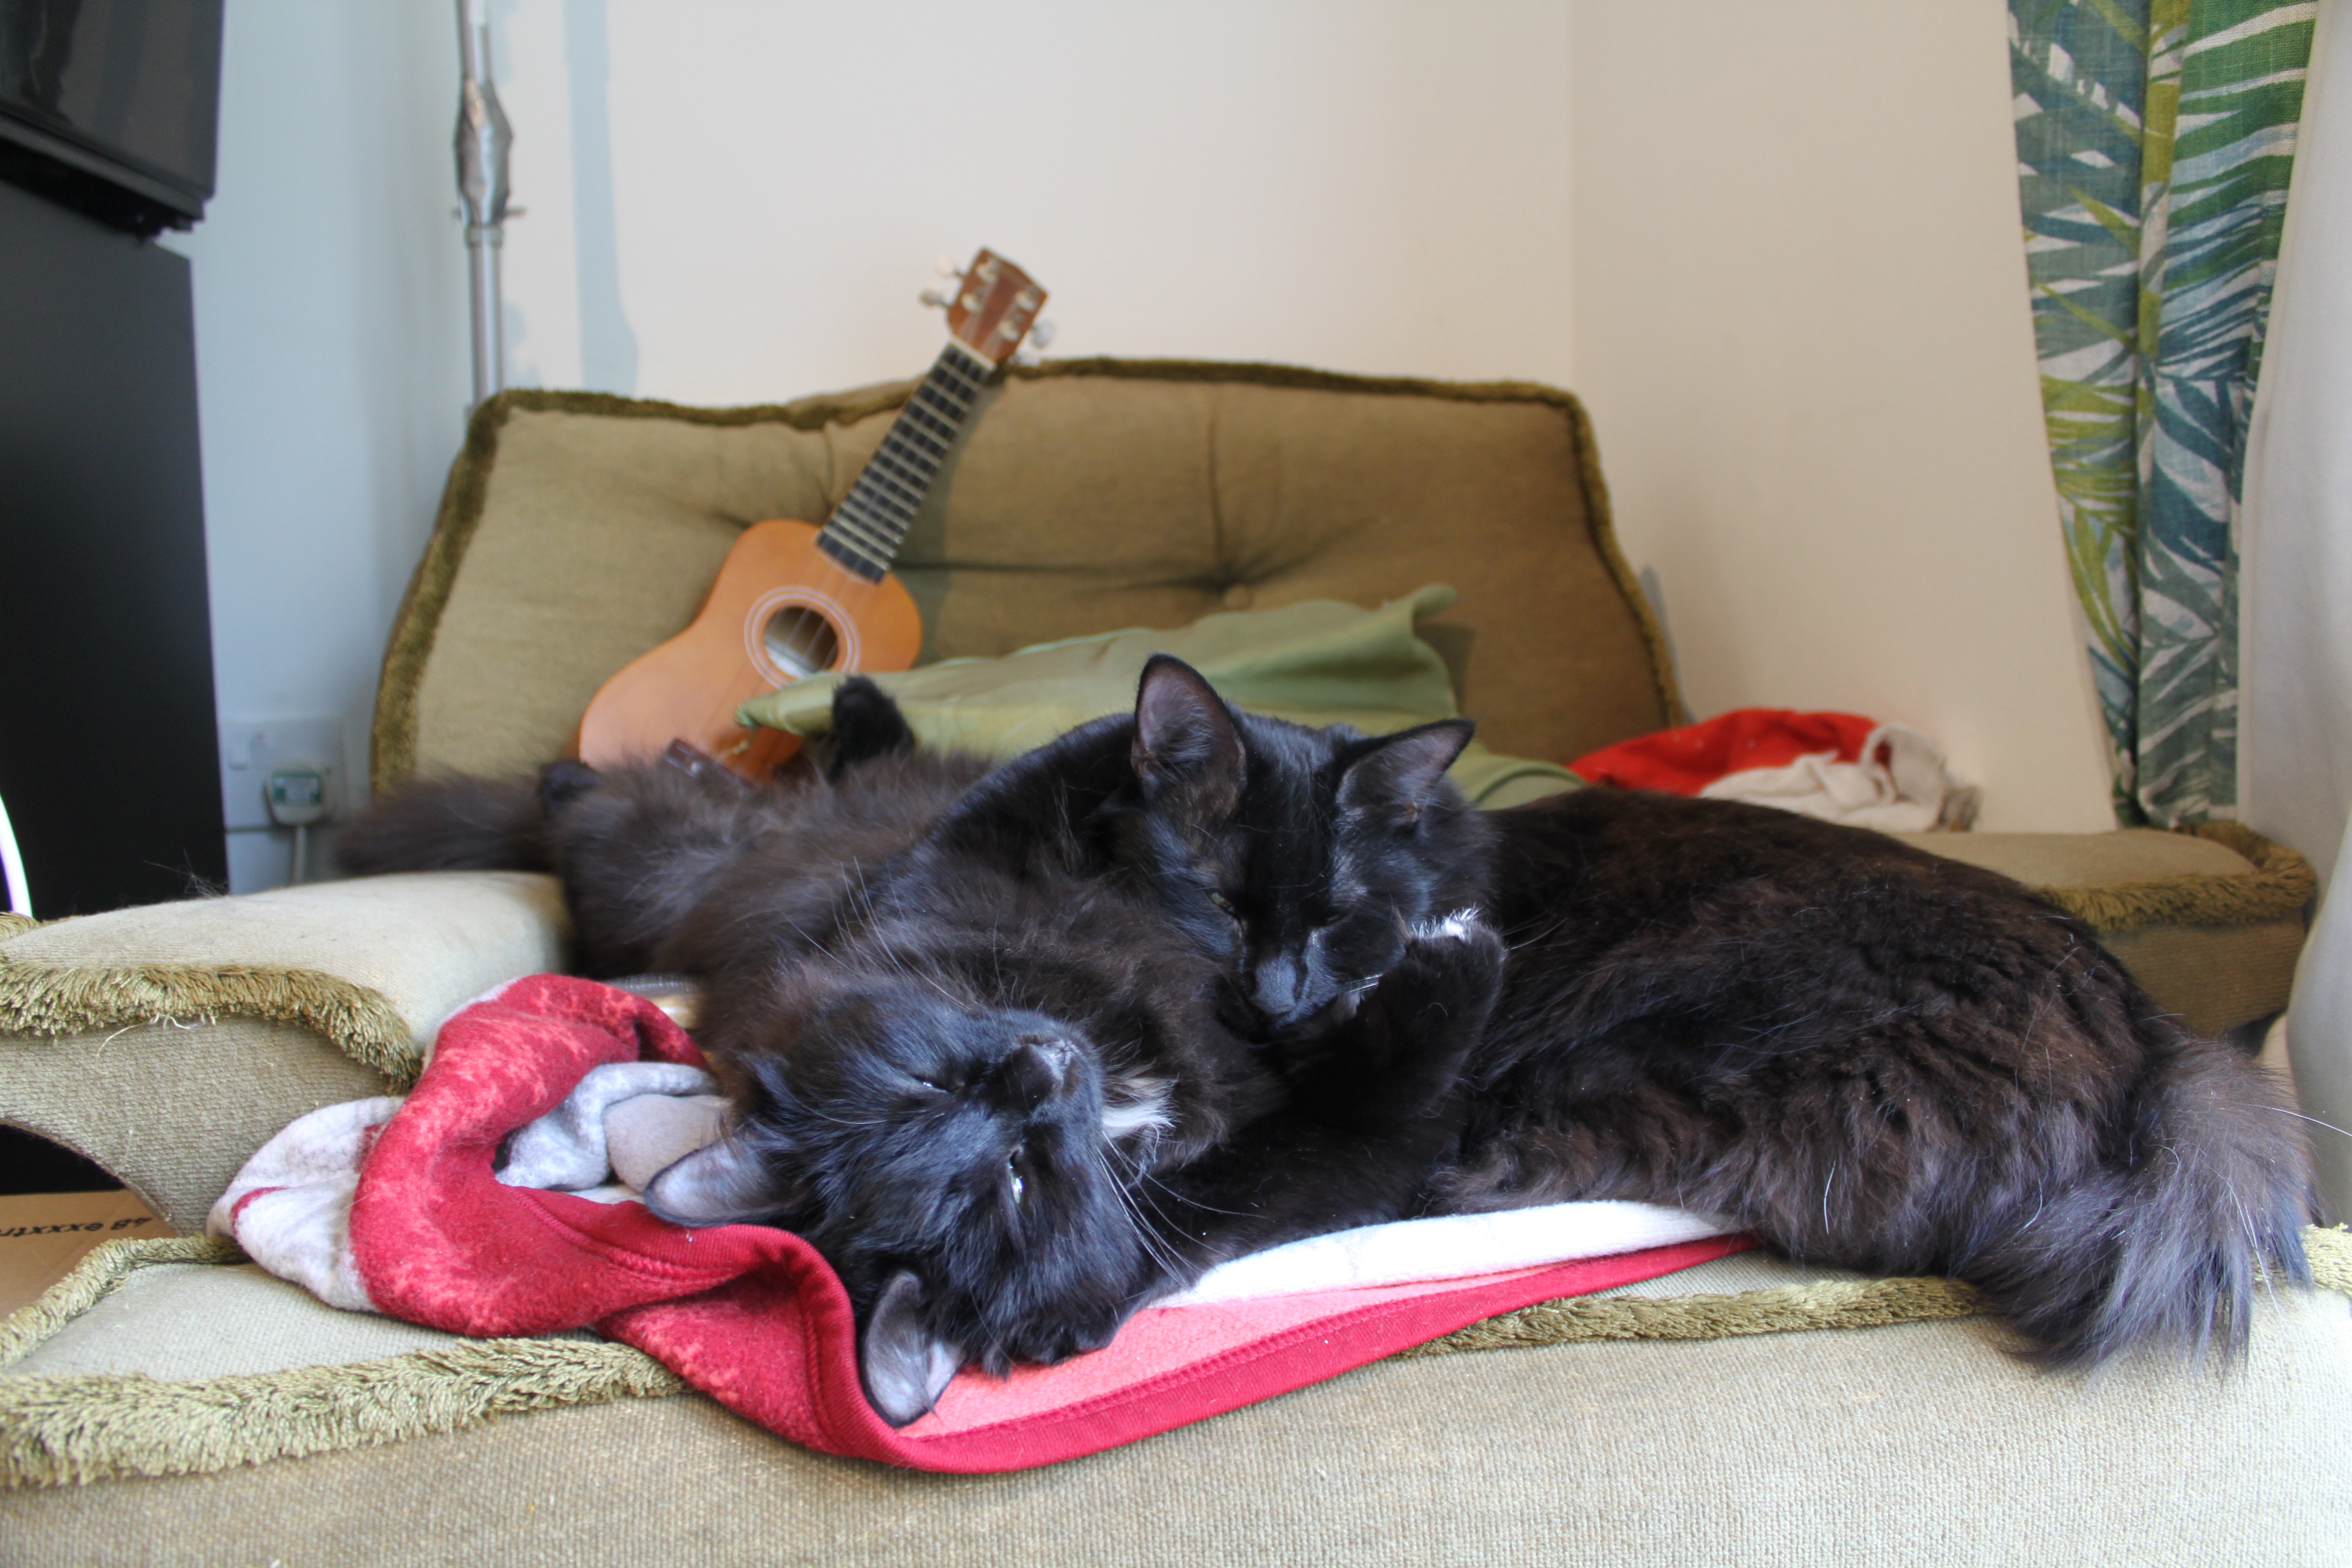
(1685, 761)
(754, 1317)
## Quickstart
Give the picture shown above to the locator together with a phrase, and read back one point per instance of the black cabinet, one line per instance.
(108, 745)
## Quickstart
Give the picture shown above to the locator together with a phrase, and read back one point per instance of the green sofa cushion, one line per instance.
(580, 531)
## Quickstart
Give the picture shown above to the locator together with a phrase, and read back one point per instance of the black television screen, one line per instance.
(111, 106)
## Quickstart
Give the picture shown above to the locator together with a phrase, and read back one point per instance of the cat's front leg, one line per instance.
(1402, 1053)
(1374, 1112)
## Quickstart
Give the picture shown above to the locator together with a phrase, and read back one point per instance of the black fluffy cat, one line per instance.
(640, 849)
(967, 1048)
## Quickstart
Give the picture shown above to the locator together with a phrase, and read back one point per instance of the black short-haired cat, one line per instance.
(1872, 1057)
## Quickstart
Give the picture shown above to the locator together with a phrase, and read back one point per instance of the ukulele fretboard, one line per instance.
(866, 531)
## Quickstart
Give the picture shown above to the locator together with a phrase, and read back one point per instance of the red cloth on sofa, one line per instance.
(1685, 761)
(756, 1318)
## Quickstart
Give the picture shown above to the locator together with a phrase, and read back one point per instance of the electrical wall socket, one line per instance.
(249, 749)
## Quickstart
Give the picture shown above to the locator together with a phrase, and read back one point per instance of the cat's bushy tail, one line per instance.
(454, 823)
(2199, 1202)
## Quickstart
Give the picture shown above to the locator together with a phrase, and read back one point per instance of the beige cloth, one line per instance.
(580, 531)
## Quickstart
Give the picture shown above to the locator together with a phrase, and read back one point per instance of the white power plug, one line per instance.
(295, 794)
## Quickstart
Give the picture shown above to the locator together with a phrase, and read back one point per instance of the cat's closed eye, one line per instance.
(1223, 903)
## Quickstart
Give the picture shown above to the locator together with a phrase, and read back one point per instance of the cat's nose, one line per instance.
(1277, 986)
(1036, 1069)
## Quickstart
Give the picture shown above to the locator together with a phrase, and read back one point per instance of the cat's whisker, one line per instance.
(2300, 1116)
(1148, 1179)
(1146, 1235)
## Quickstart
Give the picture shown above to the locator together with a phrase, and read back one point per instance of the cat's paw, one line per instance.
(1403, 1051)
(1449, 961)
(1462, 925)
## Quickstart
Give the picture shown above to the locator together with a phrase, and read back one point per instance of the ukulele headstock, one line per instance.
(993, 306)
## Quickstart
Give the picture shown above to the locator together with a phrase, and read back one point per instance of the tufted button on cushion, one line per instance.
(1240, 596)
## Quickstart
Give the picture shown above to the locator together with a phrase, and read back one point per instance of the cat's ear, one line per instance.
(905, 1366)
(725, 1183)
(1185, 738)
(1394, 776)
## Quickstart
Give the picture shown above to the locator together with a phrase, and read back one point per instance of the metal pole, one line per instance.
(484, 140)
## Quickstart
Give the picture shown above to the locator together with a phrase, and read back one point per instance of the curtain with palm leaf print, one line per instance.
(2154, 140)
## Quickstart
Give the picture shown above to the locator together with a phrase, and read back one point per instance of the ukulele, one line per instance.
(792, 600)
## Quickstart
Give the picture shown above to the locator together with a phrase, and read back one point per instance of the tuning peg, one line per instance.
(934, 297)
(945, 265)
(1041, 335)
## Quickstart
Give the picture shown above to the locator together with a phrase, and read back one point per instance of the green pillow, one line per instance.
(1318, 662)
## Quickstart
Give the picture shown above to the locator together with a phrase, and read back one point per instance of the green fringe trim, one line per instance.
(2330, 1252)
(15, 925)
(46, 1000)
(101, 1268)
(1785, 1308)
(2281, 887)
(392, 743)
(57, 1431)
(111, 1425)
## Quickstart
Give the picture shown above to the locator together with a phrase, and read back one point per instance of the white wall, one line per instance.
(2295, 758)
(2295, 763)
(331, 355)
(1806, 348)
(1366, 185)
(1801, 326)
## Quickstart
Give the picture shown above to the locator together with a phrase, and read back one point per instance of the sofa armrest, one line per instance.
(2210, 921)
(167, 1043)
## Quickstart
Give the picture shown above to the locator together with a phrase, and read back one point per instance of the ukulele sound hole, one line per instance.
(801, 641)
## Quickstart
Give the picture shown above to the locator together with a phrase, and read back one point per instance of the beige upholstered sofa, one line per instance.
(169, 1403)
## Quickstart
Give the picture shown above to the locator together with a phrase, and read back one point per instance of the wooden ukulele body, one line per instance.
(792, 600)
(775, 586)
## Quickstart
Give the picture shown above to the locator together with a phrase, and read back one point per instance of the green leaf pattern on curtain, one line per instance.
(2154, 139)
